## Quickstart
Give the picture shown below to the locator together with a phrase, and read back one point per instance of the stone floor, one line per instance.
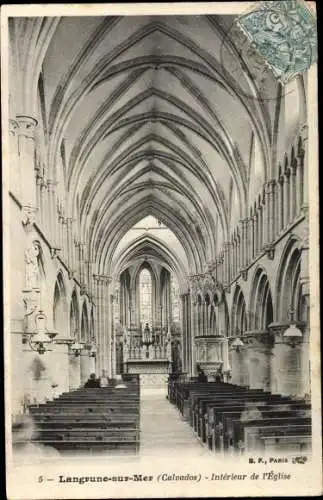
(163, 431)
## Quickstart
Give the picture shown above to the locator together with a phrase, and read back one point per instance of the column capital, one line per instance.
(54, 252)
(244, 222)
(28, 216)
(26, 125)
(271, 182)
(102, 279)
(287, 173)
(281, 180)
(51, 185)
(258, 339)
(13, 126)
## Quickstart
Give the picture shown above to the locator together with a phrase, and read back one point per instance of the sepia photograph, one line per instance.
(161, 250)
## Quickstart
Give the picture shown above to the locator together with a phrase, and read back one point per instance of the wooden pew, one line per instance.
(208, 410)
(218, 417)
(240, 429)
(183, 392)
(223, 434)
(198, 402)
(90, 419)
(298, 440)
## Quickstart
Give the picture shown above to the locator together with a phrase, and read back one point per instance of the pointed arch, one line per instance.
(74, 315)
(60, 307)
(238, 313)
(288, 287)
(84, 324)
(261, 303)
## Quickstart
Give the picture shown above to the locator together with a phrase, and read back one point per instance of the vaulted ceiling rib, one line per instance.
(152, 124)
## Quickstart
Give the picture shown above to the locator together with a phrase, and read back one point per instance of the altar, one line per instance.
(150, 356)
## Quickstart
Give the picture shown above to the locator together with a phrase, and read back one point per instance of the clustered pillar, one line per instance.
(104, 323)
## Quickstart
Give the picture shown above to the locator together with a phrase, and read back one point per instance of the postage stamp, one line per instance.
(284, 33)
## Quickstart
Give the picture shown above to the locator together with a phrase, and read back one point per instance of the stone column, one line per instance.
(59, 232)
(111, 341)
(286, 198)
(293, 190)
(86, 366)
(250, 240)
(303, 174)
(226, 261)
(101, 323)
(39, 182)
(242, 244)
(270, 211)
(69, 230)
(184, 328)
(260, 228)
(194, 333)
(239, 366)
(189, 335)
(299, 186)
(26, 152)
(252, 237)
(258, 358)
(281, 203)
(14, 164)
(51, 207)
(255, 229)
(74, 371)
(286, 364)
(59, 357)
(246, 242)
(265, 216)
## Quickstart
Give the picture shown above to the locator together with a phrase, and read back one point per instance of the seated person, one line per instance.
(219, 376)
(104, 381)
(92, 381)
(201, 377)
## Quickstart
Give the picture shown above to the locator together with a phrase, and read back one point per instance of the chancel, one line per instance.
(159, 235)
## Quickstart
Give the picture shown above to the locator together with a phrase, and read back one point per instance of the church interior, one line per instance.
(159, 235)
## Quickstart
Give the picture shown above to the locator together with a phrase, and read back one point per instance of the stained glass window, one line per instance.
(145, 285)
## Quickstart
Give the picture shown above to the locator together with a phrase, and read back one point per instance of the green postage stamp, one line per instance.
(284, 34)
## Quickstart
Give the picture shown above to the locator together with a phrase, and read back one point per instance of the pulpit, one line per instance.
(212, 354)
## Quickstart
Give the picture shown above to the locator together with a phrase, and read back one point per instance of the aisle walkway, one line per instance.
(162, 429)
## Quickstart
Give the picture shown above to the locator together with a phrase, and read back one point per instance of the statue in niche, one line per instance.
(146, 334)
(126, 336)
(203, 352)
(32, 270)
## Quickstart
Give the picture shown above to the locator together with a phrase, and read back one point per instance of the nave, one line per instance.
(159, 228)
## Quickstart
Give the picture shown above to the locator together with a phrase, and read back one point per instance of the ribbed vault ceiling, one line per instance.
(144, 119)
